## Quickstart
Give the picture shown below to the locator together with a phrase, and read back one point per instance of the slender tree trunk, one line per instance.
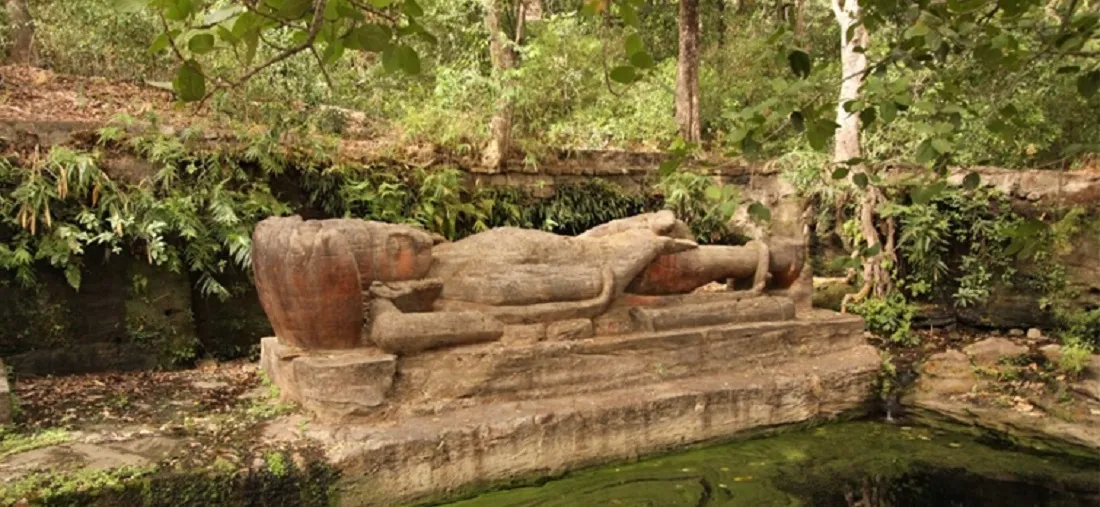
(504, 58)
(687, 73)
(799, 22)
(853, 35)
(853, 66)
(22, 32)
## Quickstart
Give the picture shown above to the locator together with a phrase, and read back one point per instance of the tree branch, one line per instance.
(324, 71)
(372, 10)
(314, 29)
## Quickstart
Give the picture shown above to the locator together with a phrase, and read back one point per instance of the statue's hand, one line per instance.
(674, 245)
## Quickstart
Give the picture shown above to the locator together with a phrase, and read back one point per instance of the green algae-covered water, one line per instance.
(848, 464)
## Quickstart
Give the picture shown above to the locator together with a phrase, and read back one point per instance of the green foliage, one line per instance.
(14, 443)
(954, 244)
(888, 317)
(697, 200)
(577, 207)
(192, 214)
(89, 38)
(1074, 358)
(1080, 328)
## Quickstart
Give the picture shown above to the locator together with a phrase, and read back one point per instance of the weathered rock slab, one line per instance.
(948, 373)
(990, 351)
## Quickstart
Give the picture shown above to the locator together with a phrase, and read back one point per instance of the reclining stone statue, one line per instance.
(345, 283)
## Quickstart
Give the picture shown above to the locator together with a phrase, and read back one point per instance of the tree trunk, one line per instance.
(504, 58)
(799, 22)
(22, 32)
(687, 72)
(853, 66)
(876, 278)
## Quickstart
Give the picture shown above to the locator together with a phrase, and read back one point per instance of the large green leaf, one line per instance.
(370, 37)
(413, 9)
(389, 59)
(624, 74)
(819, 132)
(798, 121)
(972, 180)
(407, 59)
(1088, 84)
(179, 10)
(633, 44)
(201, 44)
(800, 63)
(925, 152)
(642, 60)
(190, 84)
(759, 212)
(889, 111)
(629, 15)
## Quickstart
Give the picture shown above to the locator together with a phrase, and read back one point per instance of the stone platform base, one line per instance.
(442, 423)
(448, 455)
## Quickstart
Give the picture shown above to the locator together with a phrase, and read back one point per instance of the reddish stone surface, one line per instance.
(311, 275)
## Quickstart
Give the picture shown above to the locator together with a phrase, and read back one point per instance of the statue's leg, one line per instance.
(762, 271)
